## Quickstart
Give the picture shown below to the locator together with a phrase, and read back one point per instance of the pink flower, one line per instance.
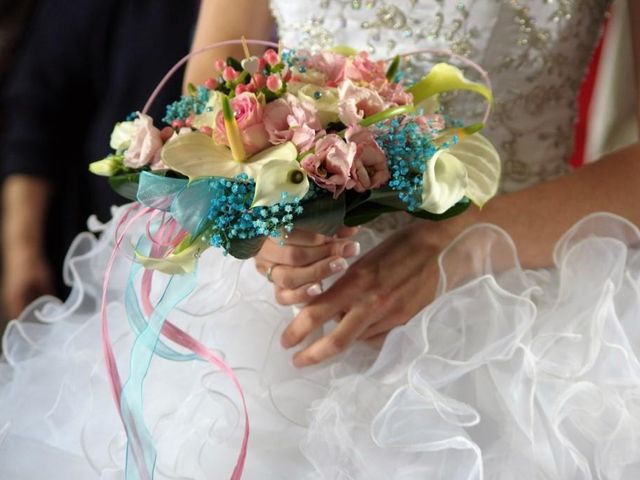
(430, 124)
(369, 168)
(393, 94)
(271, 57)
(331, 65)
(288, 119)
(356, 103)
(229, 74)
(249, 116)
(362, 69)
(274, 83)
(331, 163)
(146, 143)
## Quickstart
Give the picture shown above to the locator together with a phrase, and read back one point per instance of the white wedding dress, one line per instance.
(515, 374)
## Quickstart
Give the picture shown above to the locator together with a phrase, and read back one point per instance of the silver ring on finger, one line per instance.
(270, 271)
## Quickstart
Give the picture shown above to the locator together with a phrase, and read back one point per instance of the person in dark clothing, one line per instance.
(83, 66)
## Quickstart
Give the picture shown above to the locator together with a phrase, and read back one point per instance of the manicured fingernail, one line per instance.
(285, 342)
(314, 290)
(351, 249)
(338, 265)
(298, 362)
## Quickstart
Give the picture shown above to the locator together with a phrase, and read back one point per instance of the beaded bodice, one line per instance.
(535, 52)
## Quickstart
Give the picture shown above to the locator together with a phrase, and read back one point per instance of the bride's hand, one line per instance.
(383, 289)
(297, 267)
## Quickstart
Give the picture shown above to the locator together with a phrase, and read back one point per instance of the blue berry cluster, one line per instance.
(408, 151)
(231, 216)
(187, 105)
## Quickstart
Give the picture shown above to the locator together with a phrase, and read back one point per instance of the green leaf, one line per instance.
(457, 209)
(126, 185)
(393, 68)
(387, 114)
(244, 249)
(235, 64)
(367, 212)
(322, 215)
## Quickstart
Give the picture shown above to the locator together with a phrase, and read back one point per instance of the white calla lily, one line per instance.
(277, 177)
(196, 155)
(445, 182)
(483, 166)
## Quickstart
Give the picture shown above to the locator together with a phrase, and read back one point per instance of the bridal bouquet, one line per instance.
(300, 139)
(290, 139)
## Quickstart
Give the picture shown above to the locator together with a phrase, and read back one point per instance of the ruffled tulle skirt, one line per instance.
(509, 374)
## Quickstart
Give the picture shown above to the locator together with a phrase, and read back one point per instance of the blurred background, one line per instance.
(70, 69)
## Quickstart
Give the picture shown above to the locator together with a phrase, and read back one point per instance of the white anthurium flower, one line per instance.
(280, 176)
(444, 181)
(122, 135)
(211, 110)
(196, 155)
(483, 166)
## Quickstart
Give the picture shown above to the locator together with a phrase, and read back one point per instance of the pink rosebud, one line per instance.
(211, 83)
(274, 83)
(331, 163)
(262, 64)
(220, 65)
(288, 119)
(271, 57)
(356, 103)
(258, 81)
(229, 74)
(145, 144)
(241, 88)
(177, 123)
(249, 116)
(369, 168)
(166, 133)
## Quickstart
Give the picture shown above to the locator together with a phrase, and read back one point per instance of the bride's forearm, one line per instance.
(536, 217)
(221, 20)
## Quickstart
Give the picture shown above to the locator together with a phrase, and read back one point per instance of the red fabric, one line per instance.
(585, 95)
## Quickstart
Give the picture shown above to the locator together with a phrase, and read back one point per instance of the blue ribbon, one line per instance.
(187, 202)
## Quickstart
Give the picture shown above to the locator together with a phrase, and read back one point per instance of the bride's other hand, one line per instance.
(298, 267)
(383, 289)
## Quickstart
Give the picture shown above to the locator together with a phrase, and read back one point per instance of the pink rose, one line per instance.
(369, 168)
(393, 94)
(362, 69)
(288, 119)
(330, 164)
(145, 144)
(331, 65)
(356, 103)
(249, 116)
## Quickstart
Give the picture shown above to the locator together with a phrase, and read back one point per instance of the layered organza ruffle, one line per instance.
(508, 374)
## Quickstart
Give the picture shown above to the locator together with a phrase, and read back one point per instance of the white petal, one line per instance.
(197, 155)
(121, 135)
(445, 182)
(483, 166)
(277, 177)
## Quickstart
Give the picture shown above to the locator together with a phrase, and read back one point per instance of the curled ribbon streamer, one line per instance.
(128, 398)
